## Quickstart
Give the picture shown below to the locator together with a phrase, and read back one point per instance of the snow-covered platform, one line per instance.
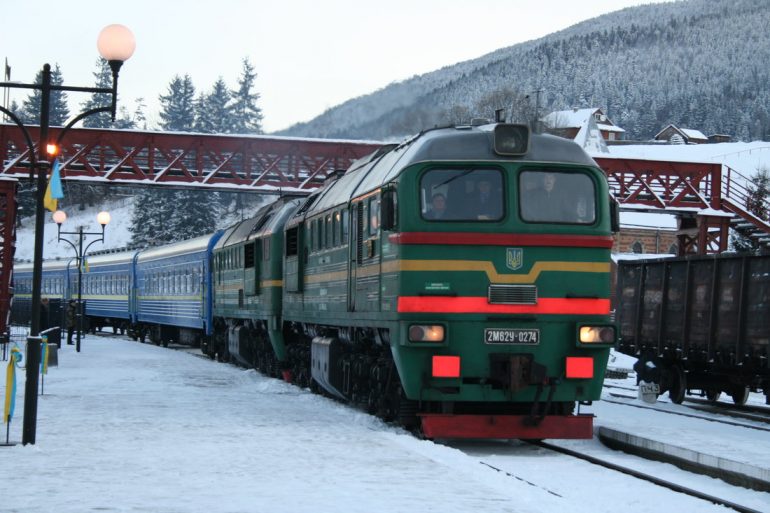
(689, 455)
(712, 444)
(125, 426)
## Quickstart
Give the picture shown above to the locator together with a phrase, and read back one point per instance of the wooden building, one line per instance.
(675, 135)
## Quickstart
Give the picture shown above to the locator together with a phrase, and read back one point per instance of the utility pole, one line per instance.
(536, 122)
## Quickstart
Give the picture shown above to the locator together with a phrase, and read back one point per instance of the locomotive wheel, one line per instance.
(740, 394)
(678, 385)
(712, 394)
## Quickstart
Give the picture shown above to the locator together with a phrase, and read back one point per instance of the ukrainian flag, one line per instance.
(10, 385)
(54, 191)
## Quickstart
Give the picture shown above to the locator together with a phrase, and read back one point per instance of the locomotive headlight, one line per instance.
(597, 335)
(426, 333)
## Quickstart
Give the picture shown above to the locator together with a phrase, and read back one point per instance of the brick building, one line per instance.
(656, 241)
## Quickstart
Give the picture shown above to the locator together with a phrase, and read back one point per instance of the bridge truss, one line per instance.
(705, 197)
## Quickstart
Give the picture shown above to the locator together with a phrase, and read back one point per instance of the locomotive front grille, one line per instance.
(512, 294)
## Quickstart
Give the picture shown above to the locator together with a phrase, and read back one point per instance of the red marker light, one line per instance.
(446, 367)
(580, 367)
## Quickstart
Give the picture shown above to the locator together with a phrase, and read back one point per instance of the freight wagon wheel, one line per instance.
(740, 394)
(678, 386)
(712, 394)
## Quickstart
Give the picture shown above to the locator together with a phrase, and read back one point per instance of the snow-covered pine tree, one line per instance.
(152, 223)
(140, 219)
(213, 114)
(758, 204)
(139, 117)
(247, 116)
(178, 105)
(195, 213)
(103, 77)
(58, 110)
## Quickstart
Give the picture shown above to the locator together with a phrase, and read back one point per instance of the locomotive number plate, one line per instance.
(511, 336)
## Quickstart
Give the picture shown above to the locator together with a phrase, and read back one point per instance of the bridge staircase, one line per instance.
(737, 198)
(708, 199)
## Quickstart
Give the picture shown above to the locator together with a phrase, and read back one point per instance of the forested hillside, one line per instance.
(700, 64)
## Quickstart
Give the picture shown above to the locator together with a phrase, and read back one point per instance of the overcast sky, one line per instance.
(309, 54)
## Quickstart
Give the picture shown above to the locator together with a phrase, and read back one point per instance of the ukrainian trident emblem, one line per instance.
(514, 258)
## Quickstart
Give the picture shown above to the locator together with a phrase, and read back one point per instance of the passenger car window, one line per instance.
(557, 197)
(475, 194)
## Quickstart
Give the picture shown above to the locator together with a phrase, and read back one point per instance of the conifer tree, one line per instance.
(139, 117)
(150, 224)
(247, 116)
(178, 105)
(757, 204)
(103, 76)
(195, 213)
(58, 109)
(213, 113)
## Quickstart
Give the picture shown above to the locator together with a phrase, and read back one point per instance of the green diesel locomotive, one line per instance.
(458, 282)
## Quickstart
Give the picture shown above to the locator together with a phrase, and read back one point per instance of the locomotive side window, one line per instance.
(336, 228)
(345, 227)
(475, 194)
(557, 197)
(374, 216)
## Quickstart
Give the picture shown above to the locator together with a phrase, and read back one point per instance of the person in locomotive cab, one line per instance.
(71, 319)
(582, 214)
(487, 201)
(545, 202)
(437, 207)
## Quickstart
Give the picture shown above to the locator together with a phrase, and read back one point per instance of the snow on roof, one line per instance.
(617, 257)
(687, 132)
(648, 220)
(590, 138)
(745, 158)
(693, 134)
(576, 118)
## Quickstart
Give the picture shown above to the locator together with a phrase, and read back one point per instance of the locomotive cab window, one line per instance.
(557, 197)
(475, 194)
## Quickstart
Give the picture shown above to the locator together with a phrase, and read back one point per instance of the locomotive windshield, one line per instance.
(474, 194)
(557, 197)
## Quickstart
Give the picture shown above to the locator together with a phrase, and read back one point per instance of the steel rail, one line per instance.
(649, 478)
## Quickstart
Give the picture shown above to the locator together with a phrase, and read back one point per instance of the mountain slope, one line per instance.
(697, 63)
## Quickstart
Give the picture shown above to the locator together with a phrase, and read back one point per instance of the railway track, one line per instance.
(750, 413)
(645, 477)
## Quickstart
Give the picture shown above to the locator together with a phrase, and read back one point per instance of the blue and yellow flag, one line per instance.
(10, 385)
(44, 355)
(54, 191)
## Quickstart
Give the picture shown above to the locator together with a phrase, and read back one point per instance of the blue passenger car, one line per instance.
(173, 299)
(55, 289)
(107, 284)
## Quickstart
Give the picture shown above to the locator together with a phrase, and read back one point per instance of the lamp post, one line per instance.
(115, 43)
(59, 217)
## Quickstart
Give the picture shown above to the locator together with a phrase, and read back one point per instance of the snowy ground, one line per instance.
(128, 427)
